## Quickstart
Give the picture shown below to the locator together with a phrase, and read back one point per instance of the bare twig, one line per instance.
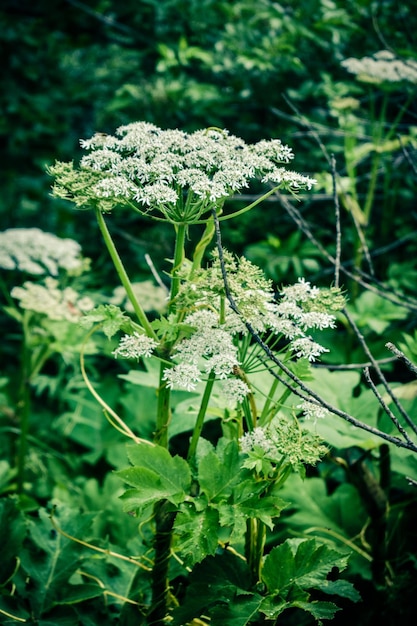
(378, 370)
(364, 245)
(351, 366)
(401, 356)
(296, 216)
(155, 274)
(407, 156)
(385, 406)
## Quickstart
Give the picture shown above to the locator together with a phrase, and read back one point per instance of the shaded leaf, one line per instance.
(197, 534)
(219, 471)
(49, 559)
(299, 562)
(156, 475)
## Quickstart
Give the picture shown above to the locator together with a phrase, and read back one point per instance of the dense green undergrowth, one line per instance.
(322, 531)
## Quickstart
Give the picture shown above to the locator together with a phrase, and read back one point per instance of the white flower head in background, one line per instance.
(33, 251)
(50, 300)
(382, 67)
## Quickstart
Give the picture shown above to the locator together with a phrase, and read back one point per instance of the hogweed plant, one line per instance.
(47, 307)
(241, 351)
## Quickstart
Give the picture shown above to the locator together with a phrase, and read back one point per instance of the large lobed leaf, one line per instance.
(155, 475)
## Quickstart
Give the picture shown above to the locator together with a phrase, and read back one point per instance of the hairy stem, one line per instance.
(164, 522)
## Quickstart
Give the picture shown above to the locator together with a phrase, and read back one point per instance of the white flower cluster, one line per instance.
(179, 174)
(33, 251)
(383, 66)
(135, 346)
(313, 411)
(282, 440)
(52, 301)
(257, 438)
(298, 309)
(209, 348)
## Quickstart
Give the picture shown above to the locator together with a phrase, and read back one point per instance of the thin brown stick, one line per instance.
(385, 406)
(378, 370)
(401, 356)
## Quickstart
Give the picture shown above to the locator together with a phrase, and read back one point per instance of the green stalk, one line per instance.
(254, 547)
(163, 415)
(201, 247)
(179, 255)
(124, 278)
(164, 522)
(265, 411)
(200, 417)
(23, 409)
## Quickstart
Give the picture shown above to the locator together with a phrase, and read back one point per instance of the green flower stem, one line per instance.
(23, 408)
(140, 313)
(254, 547)
(268, 402)
(164, 522)
(200, 417)
(201, 247)
(179, 255)
(250, 206)
(163, 415)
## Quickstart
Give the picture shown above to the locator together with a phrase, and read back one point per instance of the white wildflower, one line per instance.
(258, 438)
(315, 319)
(210, 346)
(305, 347)
(162, 169)
(234, 391)
(182, 376)
(36, 252)
(114, 187)
(135, 346)
(313, 411)
(301, 291)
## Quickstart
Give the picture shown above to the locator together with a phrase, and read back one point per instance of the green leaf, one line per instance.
(111, 318)
(295, 567)
(319, 610)
(49, 559)
(342, 588)
(197, 534)
(79, 593)
(219, 587)
(156, 475)
(219, 471)
(12, 533)
(299, 562)
(342, 513)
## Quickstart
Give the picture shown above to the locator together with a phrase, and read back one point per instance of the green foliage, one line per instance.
(260, 69)
(291, 573)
